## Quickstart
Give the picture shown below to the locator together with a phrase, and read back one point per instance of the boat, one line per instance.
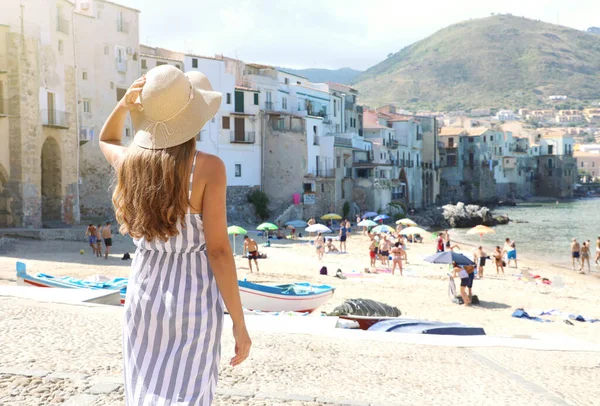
(292, 297)
(48, 281)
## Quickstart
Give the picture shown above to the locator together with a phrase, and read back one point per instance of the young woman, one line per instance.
(498, 260)
(397, 257)
(171, 199)
(585, 256)
(320, 245)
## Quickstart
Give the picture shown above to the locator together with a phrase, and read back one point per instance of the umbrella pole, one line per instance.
(234, 245)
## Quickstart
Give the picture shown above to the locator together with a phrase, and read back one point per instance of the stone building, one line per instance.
(38, 120)
(107, 65)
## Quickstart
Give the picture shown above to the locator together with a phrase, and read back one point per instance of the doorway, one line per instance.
(240, 129)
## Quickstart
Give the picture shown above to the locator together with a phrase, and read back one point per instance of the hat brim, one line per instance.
(181, 128)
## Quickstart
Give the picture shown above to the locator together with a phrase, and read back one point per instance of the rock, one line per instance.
(463, 216)
(503, 219)
(365, 307)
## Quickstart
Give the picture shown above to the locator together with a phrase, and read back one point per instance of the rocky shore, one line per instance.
(458, 216)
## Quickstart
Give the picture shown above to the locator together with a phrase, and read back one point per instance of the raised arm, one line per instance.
(219, 252)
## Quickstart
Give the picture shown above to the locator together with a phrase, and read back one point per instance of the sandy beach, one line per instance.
(308, 369)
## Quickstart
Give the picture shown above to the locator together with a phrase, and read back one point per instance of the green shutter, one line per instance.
(256, 99)
(239, 102)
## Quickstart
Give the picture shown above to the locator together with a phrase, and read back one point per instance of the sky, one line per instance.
(327, 33)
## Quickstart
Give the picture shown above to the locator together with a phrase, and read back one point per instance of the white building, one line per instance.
(107, 65)
(151, 57)
(506, 115)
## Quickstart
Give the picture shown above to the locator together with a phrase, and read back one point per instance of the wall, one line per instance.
(239, 209)
(561, 180)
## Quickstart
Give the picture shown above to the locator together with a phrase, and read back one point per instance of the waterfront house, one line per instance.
(588, 164)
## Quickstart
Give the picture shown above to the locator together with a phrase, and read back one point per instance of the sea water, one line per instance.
(547, 229)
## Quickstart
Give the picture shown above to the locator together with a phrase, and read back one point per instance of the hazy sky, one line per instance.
(327, 33)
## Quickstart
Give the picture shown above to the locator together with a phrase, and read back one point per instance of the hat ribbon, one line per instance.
(153, 126)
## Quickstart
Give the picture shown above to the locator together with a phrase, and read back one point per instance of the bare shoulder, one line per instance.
(209, 168)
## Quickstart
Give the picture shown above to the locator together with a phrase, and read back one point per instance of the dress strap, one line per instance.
(192, 178)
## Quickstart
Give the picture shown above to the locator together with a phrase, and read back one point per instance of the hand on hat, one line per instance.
(130, 100)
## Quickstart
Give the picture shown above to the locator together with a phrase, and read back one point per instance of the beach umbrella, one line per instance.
(413, 231)
(447, 257)
(367, 223)
(267, 227)
(369, 214)
(481, 230)
(318, 228)
(331, 216)
(381, 217)
(296, 223)
(383, 229)
(235, 230)
(406, 222)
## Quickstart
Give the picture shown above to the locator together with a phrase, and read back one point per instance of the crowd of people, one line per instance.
(580, 254)
(98, 234)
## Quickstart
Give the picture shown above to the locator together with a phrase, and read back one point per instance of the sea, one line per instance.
(544, 231)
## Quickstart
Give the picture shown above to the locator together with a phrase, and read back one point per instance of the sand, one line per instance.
(83, 343)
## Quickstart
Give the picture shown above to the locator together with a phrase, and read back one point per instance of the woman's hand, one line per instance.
(129, 101)
(242, 345)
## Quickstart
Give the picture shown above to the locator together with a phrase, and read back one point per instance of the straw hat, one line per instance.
(174, 108)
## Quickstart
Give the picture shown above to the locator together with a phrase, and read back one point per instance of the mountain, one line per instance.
(500, 61)
(594, 30)
(343, 75)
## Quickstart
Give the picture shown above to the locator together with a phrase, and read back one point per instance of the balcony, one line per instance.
(321, 113)
(247, 137)
(122, 26)
(342, 142)
(393, 144)
(121, 65)
(269, 105)
(62, 25)
(55, 118)
(85, 135)
(324, 173)
(286, 123)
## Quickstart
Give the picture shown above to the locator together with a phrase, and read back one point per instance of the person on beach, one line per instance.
(320, 245)
(373, 254)
(99, 240)
(384, 251)
(90, 233)
(251, 252)
(575, 250)
(480, 257)
(585, 256)
(448, 243)
(107, 237)
(440, 243)
(498, 261)
(597, 252)
(343, 236)
(330, 246)
(510, 248)
(397, 257)
(171, 199)
(309, 223)
(465, 282)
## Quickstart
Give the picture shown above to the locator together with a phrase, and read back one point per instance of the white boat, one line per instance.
(292, 297)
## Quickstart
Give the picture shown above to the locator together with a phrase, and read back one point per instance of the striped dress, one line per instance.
(173, 321)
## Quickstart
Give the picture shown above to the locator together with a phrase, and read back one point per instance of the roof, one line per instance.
(370, 121)
(260, 66)
(452, 131)
(341, 86)
(160, 57)
(290, 73)
(475, 131)
(215, 58)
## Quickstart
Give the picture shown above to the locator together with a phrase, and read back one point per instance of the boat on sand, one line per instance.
(291, 297)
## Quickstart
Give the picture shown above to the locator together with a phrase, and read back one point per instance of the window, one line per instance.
(84, 75)
(470, 139)
(299, 106)
(491, 138)
(256, 99)
(582, 164)
(144, 64)
(298, 83)
(120, 93)
(60, 46)
(238, 170)
(550, 163)
(335, 108)
(549, 171)
(159, 63)
(135, 56)
(106, 49)
(87, 106)
(322, 188)
(484, 138)
(194, 62)
(120, 25)
(226, 123)
(127, 132)
(284, 103)
(286, 81)
(228, 98)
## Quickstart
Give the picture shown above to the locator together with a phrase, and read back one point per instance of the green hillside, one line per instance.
(500, 61)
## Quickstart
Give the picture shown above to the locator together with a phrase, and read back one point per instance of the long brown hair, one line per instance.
(151, 192)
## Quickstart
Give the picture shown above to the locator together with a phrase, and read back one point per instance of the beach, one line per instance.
(77, 348)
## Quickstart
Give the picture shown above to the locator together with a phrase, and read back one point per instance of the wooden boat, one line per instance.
(292, 297)
(48, 281)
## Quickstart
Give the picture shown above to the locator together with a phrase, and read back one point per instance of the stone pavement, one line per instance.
(62, 354)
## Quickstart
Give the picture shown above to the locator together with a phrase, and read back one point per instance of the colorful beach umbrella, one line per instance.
(481, 230)
(296, 223)
(331, 216)
(367, 223)
(267, 227)
(406, 222)
(381, 217)
(413, 231)
(383, 229)
(235, 230)
(318, 228)
(369, 214)
(447, 257)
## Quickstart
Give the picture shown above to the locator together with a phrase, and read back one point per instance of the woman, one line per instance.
(464, 282)
(397, 257)
(320, 245)
(343, 236)
(597, 252)
(585, 256)
(498, 260)
(480, 257)
(183, 268)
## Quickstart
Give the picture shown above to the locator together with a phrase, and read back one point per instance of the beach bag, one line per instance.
(126, 256)
(503, 263)
(459, 300)
(323, 270)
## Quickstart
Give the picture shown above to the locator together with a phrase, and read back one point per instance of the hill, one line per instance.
(343, 75)
(500, 61)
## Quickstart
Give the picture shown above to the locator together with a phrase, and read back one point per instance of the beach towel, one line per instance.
(565, 315)
(522, 314)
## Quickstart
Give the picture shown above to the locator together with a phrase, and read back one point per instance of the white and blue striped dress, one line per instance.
(173, 321)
